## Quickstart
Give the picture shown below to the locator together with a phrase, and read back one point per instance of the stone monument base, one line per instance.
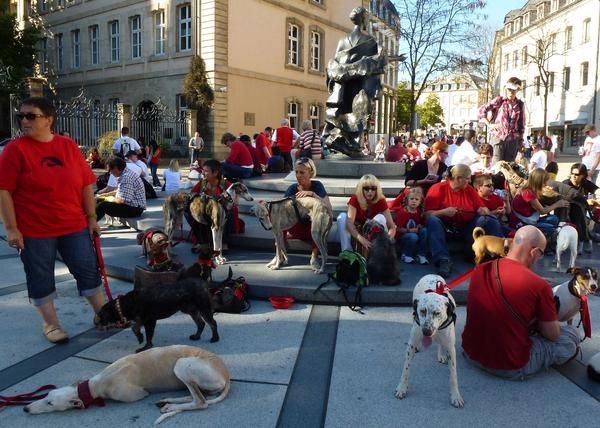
(340, 166)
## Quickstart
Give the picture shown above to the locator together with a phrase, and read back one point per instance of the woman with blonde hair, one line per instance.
(172, 177)
(527, 208)
(368, 202)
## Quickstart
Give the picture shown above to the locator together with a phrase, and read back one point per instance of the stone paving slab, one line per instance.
(368, 364)
(248, 404)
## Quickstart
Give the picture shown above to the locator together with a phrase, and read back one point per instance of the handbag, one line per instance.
(529, 326)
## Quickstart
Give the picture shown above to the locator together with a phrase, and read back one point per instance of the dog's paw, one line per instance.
(220, 260)
(214, 339)
(401, 392)
(161, 403)
(195, 337)
(442, 358)
(456, 400)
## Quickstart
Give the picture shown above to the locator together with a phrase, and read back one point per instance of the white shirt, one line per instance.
(143, 167)
(124, 139)
(591, 148)
(464, 154)
(112, 180)
(451, 150)
(172, 180)
(540, 159)
(422, 148)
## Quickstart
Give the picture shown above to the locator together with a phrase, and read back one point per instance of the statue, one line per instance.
(353, 82)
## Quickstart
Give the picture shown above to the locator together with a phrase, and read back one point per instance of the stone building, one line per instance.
(265, 59)
(570, 29)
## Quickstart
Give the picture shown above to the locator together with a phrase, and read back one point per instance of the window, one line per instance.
(44, 54)
(43, 5)
(515, 59)
(568, 37)
(552, 44)
(315, 50)
(315, 116)
(567, 78)
(185, 27)
(551, 82)
(586, 31)
(75, 49)
(526, 19)
(554, 5)
(292, 114)
(536, 83)
(60, 3)
(506, 60)
(58, 43)
(136, 37)
(94, 48)
(524, 55)
(584, 73)
(113, 29)
(294, 45)
(540, 11)
(160, 32)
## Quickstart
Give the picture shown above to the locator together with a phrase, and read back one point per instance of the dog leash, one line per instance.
(101, 265)
(24, 399)
(460, 279)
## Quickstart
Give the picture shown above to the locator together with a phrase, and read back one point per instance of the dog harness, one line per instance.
(85, 395)
(584, 310)
(122, 319)
(440, 288)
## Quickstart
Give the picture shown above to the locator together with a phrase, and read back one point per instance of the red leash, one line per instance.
(27, 398)
(460, 279)
(101, 265)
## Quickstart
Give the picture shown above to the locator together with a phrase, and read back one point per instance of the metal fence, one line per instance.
(154, 120)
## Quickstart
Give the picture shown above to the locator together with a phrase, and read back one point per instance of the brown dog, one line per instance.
(492, 245)
(155, 246)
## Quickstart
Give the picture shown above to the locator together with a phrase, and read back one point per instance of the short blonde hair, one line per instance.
(460, 170)
(307, 163)
(367, 180)
(174, 165)
(413, 191)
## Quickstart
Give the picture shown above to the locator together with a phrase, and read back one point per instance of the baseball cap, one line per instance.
(589, 127)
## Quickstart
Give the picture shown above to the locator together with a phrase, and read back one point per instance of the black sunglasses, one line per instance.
(371, 188)
(576, 174)
(28, 116)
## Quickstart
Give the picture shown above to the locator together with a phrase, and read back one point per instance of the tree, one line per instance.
(403, 97)
(199, 94)
(431, 111)
(431, 30)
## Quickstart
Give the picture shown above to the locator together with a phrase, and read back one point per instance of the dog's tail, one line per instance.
(507, 243)
(477, 232)
(222, 395)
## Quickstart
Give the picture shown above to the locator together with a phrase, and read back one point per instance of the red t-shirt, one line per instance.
(46, 181)
(263, 141)
(493, 336)
(240, 155)
(371, 211)
(522, 205)
(156, 157)
(493, 202)
(403, 216)
(395, 153)
(441, 196)
(285, 139)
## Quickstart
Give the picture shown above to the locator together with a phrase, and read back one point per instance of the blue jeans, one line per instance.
(410, 240)
(154, 170)
(77, 251)
(547, 224)
(231, 170)
(436, 233)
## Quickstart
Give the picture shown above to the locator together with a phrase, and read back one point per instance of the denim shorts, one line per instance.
(76, 250)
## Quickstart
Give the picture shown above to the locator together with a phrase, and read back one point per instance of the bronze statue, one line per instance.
(353, 81)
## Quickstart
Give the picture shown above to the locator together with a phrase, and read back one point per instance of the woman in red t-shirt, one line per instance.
(367, 202)
(527, 209)
(47, 204)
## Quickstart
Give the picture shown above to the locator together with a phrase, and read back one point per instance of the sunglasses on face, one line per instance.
(370, 188)
(576, 174)
(28, 116)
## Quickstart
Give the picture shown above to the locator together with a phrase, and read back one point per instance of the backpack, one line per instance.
(230, 296)
(351, 271)
(125, 147)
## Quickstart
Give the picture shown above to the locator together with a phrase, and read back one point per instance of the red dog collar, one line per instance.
(206, 262)
(85, 395)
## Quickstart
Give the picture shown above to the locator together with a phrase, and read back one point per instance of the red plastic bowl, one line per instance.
(281, 302)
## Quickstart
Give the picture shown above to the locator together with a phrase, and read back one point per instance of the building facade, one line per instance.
(460, 96)
(567, 31)
(265, 59)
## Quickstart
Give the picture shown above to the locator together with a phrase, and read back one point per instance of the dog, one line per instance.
(566, 240)
(488, 245)
(282, 214)
(173, 209)
(434, 318)
(134, 377)
(568, 294)
(155, 247)
(147, 304)
(382, 260)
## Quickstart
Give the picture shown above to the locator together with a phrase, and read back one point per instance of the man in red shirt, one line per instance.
(395, 153)
(239, 163)
(263, 146)
(502, 313)
(284, 137)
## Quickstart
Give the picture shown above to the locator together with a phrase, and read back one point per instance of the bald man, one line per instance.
(512, 329)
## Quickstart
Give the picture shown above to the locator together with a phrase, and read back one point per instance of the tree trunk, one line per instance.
(413, 108)
(546, 110)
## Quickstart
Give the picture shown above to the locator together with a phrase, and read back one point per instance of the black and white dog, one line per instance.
(568, 294)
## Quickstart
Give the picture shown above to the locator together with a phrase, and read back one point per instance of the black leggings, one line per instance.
(117, 210)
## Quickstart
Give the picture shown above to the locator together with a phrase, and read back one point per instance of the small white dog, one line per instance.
(566, 240)
(434, 319)
(568, 294)
(133, 377)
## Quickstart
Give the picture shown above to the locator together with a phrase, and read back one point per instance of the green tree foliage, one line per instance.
(199, 95)
(404, 97)
(17, 55)
(431, 111)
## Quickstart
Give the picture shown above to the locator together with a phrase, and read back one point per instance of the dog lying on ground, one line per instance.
(568, 294)
(282, 214)
(566, 240)
(382, 261)
(147, 304)
(155, 247)
(134, 377)
(434, 318)
(488, 245)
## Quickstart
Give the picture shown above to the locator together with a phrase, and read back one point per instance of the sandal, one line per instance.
(55, 334)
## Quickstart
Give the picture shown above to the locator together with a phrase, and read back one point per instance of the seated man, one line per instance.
(512, 329)
(239, 163)
(129, 198)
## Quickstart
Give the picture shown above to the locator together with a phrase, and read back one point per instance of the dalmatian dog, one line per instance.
(434, 319)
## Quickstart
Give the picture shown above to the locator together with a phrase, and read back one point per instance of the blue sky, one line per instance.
(496, 9)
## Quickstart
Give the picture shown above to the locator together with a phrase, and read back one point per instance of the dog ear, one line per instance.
(449, 308)
(573, 269)
(415, 304)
